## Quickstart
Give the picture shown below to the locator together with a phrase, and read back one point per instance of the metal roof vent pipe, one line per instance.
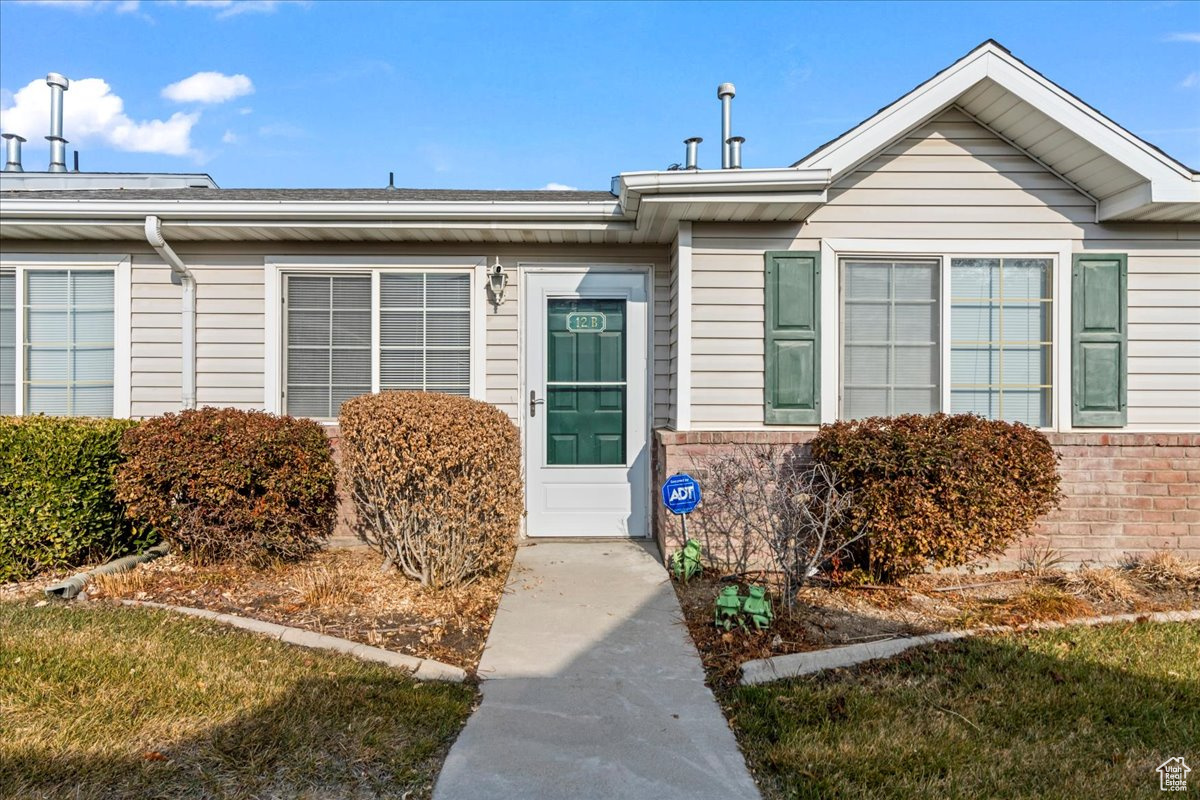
(692, 148)
(12, 151)
(735, 151)
(58, 145)
(725, 93)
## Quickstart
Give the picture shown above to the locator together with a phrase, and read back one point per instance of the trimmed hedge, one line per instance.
(58, 507)
(436, 482)
(220, 483)
(939, 490)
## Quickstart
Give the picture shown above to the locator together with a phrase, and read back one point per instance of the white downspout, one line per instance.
(188, 281)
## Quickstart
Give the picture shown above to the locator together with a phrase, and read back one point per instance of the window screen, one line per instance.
(890, 338)
(8, 343)
(425, 332)
(1000, 358)
(328, 342)
(69, 342)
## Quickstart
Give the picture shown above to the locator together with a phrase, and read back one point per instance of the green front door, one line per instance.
(585, 382)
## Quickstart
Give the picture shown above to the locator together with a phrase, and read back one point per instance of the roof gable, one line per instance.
(1126, 176)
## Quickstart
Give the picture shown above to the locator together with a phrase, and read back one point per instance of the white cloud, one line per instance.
(232, 8)
(91, 112)
(230, 138)
(119, 6)
(1182, 37)
(208, 87)
(1191, 81)
(558, 187)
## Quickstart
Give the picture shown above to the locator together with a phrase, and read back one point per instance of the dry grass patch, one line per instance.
(1168, 571)
(340, 592)
(1099, 583)
(102, 702)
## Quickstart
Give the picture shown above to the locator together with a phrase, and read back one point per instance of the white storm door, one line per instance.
(586, 403)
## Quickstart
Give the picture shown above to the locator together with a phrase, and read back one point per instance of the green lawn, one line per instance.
(99, 701)
(1079, 712)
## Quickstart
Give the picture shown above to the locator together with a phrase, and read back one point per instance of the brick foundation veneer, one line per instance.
(1123, 493)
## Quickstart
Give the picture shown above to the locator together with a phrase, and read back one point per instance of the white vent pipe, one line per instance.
(182, 275)
(692, 145)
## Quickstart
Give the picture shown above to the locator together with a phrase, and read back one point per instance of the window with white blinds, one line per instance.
(8, 343)
(425, 332)
(68, 342)
(328, 342)
(1000, 360)
(890, 362)
(424, 325)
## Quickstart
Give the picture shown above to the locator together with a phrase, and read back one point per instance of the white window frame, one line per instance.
(121, 267)
(1058, 251)
(275, 267)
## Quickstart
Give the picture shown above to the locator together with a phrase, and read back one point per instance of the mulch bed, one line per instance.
(828, 616)
(340, 592)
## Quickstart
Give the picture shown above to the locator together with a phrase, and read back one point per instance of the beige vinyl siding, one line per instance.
(229, 334)
(672, 328)
(663, 291)
(231, 317)
(950, 179)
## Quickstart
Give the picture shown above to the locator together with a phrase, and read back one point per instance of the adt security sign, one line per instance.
(681, 493)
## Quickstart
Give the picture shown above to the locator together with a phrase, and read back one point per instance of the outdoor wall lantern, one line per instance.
(497, 283)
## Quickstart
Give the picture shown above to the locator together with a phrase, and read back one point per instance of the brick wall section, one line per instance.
(1123, 493)
(343, 533)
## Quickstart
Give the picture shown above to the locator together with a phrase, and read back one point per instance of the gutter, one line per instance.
(180, 274)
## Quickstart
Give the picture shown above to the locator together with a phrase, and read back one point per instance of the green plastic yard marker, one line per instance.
(758, 608)
(728, 608)
(686, 563)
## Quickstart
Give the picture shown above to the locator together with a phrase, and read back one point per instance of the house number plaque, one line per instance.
(586, 322)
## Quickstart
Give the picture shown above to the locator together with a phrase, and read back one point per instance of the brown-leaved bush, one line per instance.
(939, 490)
(220, 483)
(436, 482)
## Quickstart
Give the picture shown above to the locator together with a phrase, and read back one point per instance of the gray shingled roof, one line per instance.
(318, 195)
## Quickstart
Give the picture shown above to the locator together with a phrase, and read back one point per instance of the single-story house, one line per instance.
(988, 243)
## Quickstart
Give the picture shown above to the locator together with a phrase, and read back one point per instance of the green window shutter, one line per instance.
(793, 338)
(1099, 330)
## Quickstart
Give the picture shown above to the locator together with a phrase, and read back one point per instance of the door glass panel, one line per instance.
(586, 388)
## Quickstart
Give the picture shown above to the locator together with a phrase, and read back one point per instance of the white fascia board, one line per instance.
(171, 210)
(800, 198)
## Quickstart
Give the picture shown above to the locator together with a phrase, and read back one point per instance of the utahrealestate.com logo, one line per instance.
(1172, 775)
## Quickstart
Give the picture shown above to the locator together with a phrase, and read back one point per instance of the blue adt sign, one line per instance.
(681, 493)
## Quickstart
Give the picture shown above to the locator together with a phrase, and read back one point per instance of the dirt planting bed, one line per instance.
(828, 616)
(340, 592)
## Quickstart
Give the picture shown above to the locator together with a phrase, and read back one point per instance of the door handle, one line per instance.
(534, 402)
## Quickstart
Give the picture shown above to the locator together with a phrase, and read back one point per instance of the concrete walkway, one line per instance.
(593, 689)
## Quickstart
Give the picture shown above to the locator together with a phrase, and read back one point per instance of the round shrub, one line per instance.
(57, 502)
(939, 490)
(221, 484)
(436, 482)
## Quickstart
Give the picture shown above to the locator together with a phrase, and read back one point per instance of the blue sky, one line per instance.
(500, 95)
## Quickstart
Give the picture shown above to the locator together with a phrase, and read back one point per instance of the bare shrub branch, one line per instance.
(762, 501)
